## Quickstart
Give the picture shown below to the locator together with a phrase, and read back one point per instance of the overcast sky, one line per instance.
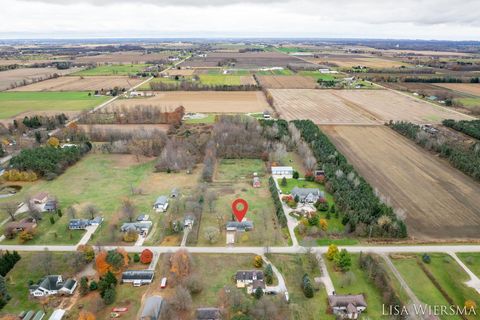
(401, 19)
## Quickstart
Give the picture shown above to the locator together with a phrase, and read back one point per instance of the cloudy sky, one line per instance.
(401, 19)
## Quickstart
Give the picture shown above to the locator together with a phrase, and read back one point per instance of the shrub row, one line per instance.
(282, 219)
(471, 128)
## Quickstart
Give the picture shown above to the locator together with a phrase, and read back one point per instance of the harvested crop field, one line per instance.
(320, 106)
(357, 107)
(440, 201)
(349, 61)
(286, 82)
(124, 127)
(203, 101)
(124, 57)
(76, 83)
(242, 60)
(469, 88)
(17, 77)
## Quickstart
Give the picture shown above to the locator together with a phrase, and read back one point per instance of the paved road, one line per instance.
(262, 250)
(474, 281)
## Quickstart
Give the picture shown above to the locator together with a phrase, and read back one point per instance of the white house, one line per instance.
(51, 285)
(347, 306)
(161, 204)
(286, 172)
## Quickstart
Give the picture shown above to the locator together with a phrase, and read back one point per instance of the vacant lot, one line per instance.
(113, 70)
(242, 60)
(287, 82)
(206, 101)
(320, 106)
(75, 83)
(124, 57)
(470, 88)
(17, 77)
(17, 103)
(440, 202)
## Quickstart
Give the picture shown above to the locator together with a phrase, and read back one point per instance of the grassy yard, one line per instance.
(209, 119)
(469, 102)
(471, 260)
(423, 287)
(113, 70)
(360, 284)
(234, 180)
(15, 103)
(17, 282)
(292, 268)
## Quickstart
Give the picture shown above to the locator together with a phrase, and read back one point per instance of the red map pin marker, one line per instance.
(240, 213)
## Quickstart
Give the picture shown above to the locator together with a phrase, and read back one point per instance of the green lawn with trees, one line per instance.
(15, 103)
(471, 260)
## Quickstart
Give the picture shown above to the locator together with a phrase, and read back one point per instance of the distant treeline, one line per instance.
(471, 128)
(465, 159)
(194, 86)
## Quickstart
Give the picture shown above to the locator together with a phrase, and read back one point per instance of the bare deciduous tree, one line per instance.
(10, 208)
(128, 209)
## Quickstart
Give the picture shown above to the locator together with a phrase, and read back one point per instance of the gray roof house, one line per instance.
(142, 227)
(306, 195)
(245, 277)
(175, 193)
(152, 308)
(208, 314)
(347, 306)
(161, 204)
(138, 276)
(239, 226)
(51, 285)
(188, 220)
(82, 224)
(50, 206)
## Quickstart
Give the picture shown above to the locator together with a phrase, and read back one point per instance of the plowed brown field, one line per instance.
(73, 83)
(440, 201)
(287, 82)
(470, 88)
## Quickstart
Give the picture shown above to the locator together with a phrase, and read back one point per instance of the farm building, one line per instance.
(152, 308)
(51, 285)
(138, 277)
(161, 204)
(57, 314)
(307, 195)
(208, 314)
(286, 172)
(347, 306)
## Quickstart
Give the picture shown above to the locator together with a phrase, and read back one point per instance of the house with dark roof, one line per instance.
(347, 306)
(250, 279)
(50, 205)
(51, 285)
(161, 204)
(82, 224)
(307, 195)
(138, 277)
(239, 226)
(152, 308)
(141, 228)
(208, 314)
(22, 225)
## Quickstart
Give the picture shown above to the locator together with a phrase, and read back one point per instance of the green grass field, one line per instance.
(209, 119)
(14, 103)
(292, 268)
(360, 284)
(283, 72)
(220, 79)
(17, 282)
(469, 102)
(447, 272)
(234, 180)
(471, 260)
(317, 75)
(112, 70)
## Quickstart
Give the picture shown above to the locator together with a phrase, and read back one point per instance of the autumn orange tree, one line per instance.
(112, 260)
(86, 315)
(180, 264)
(146, 256)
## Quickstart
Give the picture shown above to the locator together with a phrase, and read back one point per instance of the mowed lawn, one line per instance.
(113, 69)
(98, 179)
(448, 274)
(18, 278)
(14, 103)
(471, 260)
(293, 267)
(233, 180)
(360, 284)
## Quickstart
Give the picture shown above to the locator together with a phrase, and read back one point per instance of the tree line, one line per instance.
(465, 159)
(48, 161)
(196, 86)
(471, 128)
(363, 210)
